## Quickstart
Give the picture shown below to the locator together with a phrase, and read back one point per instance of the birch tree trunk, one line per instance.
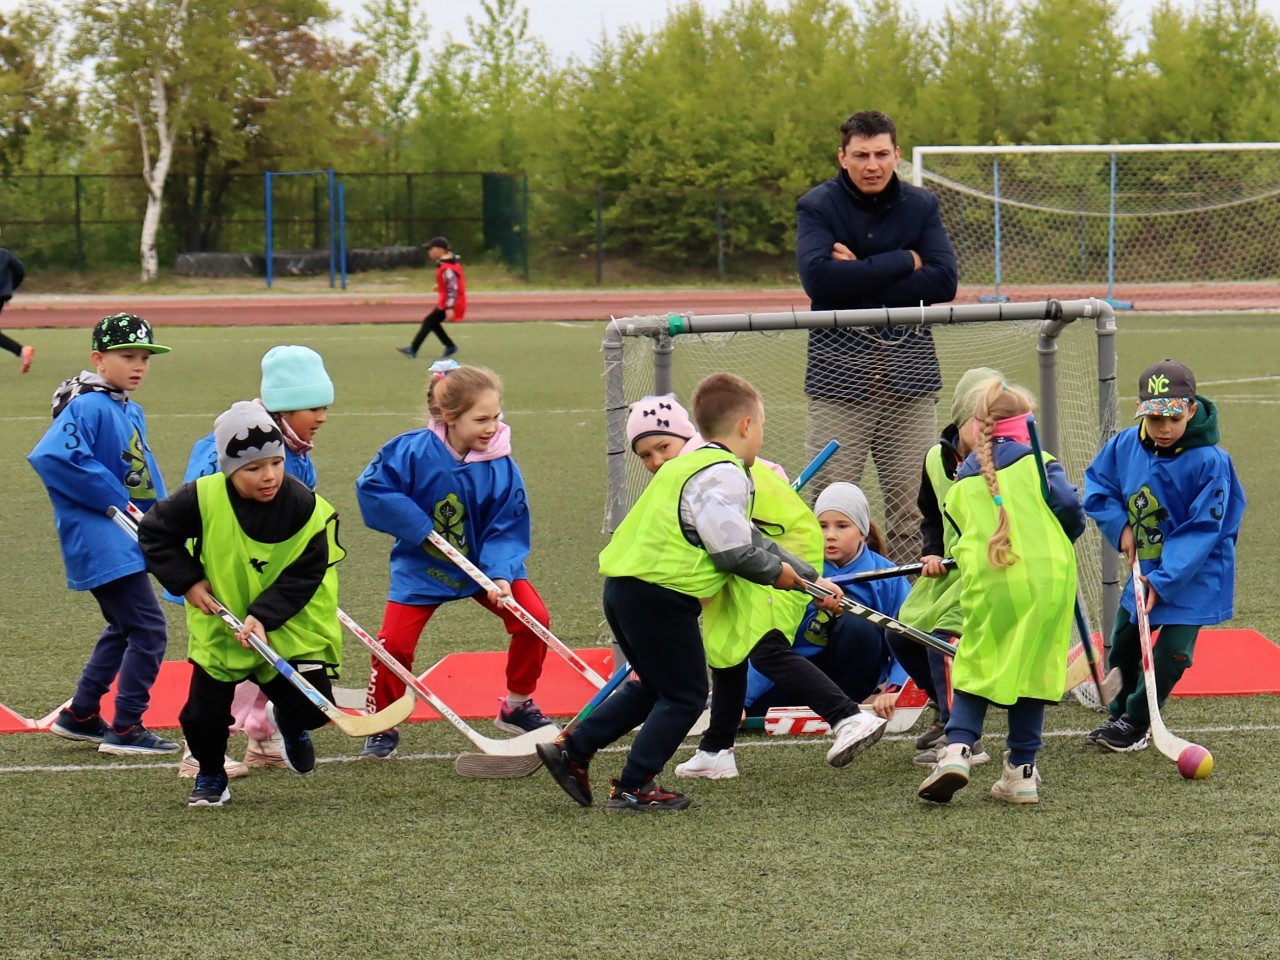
(155, 174)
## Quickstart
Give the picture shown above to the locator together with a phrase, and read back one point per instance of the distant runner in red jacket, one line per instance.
(451, 298)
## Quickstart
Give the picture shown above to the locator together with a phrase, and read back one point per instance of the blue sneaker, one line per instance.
(381, 745)
(134, 741)
(92, 729)
(449, 351)
(520, 718)
(408, 352)
(297, 750)
(210, 791)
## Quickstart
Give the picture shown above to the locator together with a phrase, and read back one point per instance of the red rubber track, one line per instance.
(350, 307)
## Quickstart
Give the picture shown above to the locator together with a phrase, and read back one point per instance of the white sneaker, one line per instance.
(853, 735)
(720, 765)
(1017, 784)
(189, 766)
(264, 753)
(950, 775)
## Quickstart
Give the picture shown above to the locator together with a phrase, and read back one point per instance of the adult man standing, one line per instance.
(865, 239)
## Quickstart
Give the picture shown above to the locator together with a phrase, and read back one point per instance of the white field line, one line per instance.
(1269, 378)
(768, 742)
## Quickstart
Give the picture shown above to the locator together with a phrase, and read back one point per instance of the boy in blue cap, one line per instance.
(1164, 493)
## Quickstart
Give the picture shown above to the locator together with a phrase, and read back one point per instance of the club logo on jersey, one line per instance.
(137, 477)
(1145, 516)
(449, 516)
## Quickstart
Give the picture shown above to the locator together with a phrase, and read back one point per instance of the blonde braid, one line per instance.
(1000, 552)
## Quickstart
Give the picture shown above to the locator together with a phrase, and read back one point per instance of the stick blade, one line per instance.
(482, 766)
(367, 724)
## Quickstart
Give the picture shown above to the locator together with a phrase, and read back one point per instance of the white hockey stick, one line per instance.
(495, 760)
(525, 617)
(353, 725)
(1197, 765)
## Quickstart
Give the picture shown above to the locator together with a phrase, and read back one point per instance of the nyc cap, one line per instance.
(125, 331)
(1165, 389)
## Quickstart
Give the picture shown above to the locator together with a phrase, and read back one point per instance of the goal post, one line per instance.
(1093, 215)
(1063, 350)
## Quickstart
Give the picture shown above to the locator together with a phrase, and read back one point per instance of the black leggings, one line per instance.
(433, 322)
(207, 715)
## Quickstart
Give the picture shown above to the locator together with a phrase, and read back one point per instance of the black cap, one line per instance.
(1165, 389)
(125, 331)
(441, 242)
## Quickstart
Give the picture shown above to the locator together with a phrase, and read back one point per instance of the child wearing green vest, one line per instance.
(933, 605)
(687, 536)
(266, 546)
(1018, 586)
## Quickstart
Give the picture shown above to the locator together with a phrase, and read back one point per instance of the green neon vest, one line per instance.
(743, 612)
(649, 543)
(1017, 621)
(934, 602)
(313, 634)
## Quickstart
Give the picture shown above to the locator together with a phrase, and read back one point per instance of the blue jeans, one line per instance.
(1026, 725)
(129, 650)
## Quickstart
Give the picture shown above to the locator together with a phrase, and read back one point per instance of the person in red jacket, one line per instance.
(451, 299)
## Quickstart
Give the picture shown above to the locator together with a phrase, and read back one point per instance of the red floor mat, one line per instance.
(1228, 663)
(470, 683)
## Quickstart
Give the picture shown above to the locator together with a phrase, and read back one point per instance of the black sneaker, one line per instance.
(381, 746)
(209, 791)
(298, 751)
(1123, 737)
(1093, 736)
(649, 797)
(571, 774)
(68, 726)
(934, 736)
(135, 741)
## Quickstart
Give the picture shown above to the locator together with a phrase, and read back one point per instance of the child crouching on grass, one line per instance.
(1018, 582)
(266, 547)
(684, 539)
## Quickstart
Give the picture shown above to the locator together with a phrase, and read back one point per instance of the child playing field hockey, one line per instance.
(455, 476)
(95, 456)
(686, 538)
(1164, 493)
(1018, 581)
(264, 545)
(933, 605)
(296, 391)
(854, 653)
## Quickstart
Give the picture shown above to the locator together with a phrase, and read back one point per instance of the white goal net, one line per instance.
(1101, 214)
(1071, 371)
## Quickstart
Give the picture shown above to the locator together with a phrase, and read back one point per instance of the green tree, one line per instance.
(39, 106)
(395, 32)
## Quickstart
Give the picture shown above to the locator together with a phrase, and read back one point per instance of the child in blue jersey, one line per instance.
(853, 652)
(454, 476)
(95, 456)
(297, 392)
(1164, 493)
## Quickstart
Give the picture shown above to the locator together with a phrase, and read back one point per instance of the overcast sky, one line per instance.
(570, 27)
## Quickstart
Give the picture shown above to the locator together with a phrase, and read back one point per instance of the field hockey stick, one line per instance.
(879, 619)
(1109, 685)
(499, 759)
(816, 464)
(524, 616)
(906, 570)
(1196, 764)
(353, 725)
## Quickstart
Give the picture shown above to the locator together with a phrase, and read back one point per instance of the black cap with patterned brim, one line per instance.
(125, 331)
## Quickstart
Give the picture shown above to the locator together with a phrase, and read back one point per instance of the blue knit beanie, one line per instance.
(294, 378)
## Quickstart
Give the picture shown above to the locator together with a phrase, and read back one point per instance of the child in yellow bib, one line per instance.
(266, 546)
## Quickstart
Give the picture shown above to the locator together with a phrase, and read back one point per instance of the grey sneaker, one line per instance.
(137, 740)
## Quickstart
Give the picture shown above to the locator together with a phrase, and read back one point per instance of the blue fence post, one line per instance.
(996, 297)
(342, 232)
(332, 232)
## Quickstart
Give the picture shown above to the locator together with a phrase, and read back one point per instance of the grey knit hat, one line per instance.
(243, 434)
(846, 498)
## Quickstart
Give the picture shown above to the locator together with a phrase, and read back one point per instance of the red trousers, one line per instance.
(402, 626)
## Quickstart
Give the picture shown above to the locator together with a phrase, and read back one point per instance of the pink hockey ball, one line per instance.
(1195, 763)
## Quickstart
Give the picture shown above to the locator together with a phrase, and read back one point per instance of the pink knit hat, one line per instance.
(658, 414)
